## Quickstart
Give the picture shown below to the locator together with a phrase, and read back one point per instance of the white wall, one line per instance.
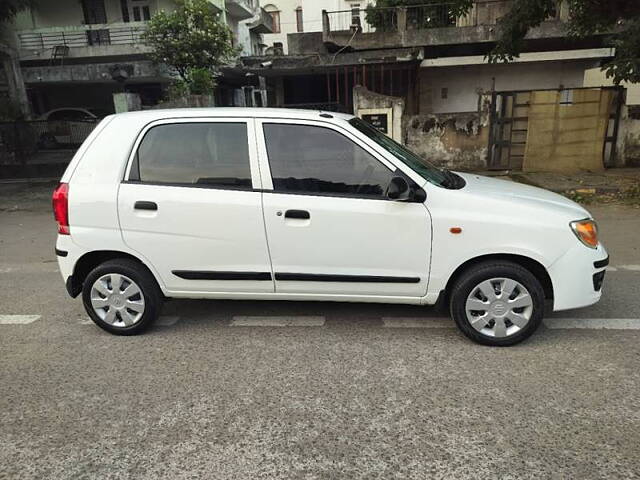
(464, 83)
(287, 9)
(311, 16)
(63, 13)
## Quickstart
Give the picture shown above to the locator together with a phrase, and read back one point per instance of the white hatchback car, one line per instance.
(277, 204)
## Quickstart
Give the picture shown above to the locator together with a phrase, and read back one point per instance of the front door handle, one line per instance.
(143, 205)
(297, 214)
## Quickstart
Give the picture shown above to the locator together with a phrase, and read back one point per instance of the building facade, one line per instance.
(78, 53)
(298, 16)
(435, 64)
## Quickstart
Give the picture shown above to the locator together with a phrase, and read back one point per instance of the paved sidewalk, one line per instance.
(612, 181)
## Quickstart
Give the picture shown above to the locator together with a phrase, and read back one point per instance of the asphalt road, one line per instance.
(247, 390)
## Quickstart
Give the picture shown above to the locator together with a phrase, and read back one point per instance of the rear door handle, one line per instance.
(298, 214)
(143, 205)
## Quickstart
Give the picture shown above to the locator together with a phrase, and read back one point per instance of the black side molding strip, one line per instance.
(61, 253)
(315, 277)
(200, 275)
(601, 263)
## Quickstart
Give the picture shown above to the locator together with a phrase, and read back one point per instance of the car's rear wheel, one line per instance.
(122, 297)
(497, 304)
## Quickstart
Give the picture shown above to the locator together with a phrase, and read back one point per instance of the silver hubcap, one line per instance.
(117, 300)
(499, 307)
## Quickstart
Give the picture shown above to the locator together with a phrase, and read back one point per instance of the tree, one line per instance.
(190, 38)
(8, 57)
(9, 8)
(618, 20)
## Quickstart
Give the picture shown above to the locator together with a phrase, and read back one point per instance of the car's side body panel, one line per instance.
(494, 222)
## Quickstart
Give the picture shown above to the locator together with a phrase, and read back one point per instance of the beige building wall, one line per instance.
(596, 77)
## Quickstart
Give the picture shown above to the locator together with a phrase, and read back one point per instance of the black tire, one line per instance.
(145, 281)
(476, 274)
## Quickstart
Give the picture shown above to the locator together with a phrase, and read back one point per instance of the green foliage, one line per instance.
(9, 8)
(523, 16)
(192, 36)
(197, 81)
(201, 81)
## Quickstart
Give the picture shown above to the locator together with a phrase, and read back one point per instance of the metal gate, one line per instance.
(508, 130)
(509, 126)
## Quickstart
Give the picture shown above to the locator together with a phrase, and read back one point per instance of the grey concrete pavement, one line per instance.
(324, 391)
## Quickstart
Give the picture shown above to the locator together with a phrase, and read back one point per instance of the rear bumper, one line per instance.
(67, 254)
(578, 276)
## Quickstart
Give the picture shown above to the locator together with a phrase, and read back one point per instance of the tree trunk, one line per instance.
(17, 90)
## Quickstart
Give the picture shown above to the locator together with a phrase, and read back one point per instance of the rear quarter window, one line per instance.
(198, 154)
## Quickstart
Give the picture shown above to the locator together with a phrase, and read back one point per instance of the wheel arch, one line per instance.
(90, 260)
(535, 267)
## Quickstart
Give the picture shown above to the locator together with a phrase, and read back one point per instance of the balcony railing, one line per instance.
(415, 17)
(96, 35)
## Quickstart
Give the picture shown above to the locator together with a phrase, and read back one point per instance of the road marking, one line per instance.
(594, 323)
(277, 322)
(86, 322)
(18, 319)
(612, 269)
(167, 321)
(423, 322)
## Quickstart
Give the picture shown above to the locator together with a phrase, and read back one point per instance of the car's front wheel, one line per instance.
(122, 297)
(497, 303)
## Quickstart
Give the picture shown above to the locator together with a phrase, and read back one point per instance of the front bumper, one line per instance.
(578, 276)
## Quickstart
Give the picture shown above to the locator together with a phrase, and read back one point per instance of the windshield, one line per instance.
(424, 168)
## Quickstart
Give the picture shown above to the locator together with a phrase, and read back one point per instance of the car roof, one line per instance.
(82, 109)
(290, 113)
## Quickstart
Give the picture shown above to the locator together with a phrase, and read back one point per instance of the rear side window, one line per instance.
(310, 159)
(215, 154)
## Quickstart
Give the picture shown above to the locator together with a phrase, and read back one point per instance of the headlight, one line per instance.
(586, 231)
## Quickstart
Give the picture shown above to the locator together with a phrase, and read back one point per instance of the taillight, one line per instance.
(61, 208)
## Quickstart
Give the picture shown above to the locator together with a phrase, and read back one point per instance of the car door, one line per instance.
(191, 206)
(330, 227)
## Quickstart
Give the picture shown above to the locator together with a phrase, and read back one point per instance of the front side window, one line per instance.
(203, 154)
(310, 159)
(421, 166)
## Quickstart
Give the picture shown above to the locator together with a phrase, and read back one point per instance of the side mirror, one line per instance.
(419, 195)
(400, 191)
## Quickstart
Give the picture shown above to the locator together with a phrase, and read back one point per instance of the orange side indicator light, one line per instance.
(455, 230)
